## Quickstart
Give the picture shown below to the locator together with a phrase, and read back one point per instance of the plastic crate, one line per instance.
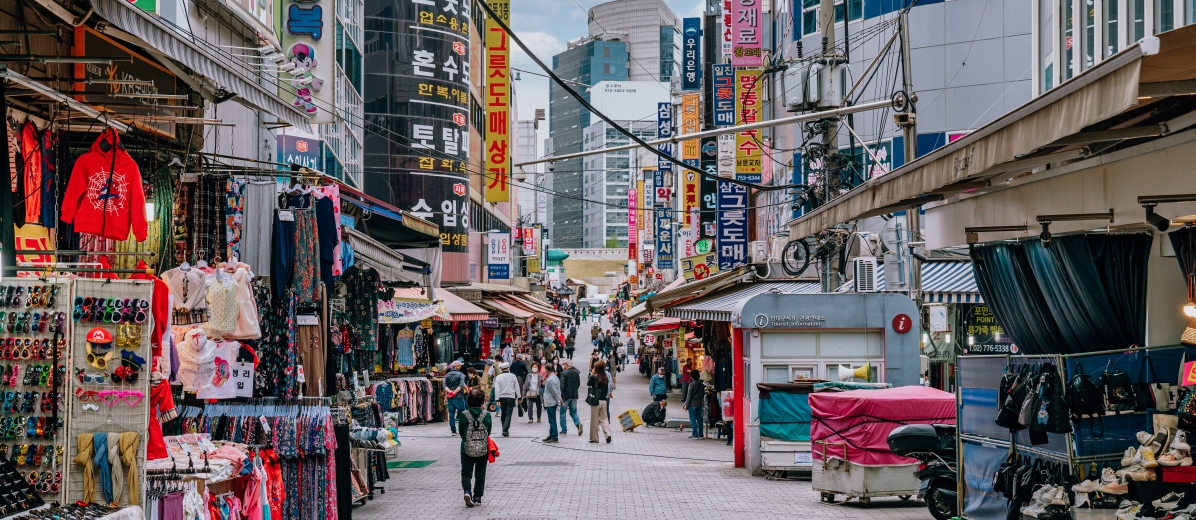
(630, 419)
(1179, 474)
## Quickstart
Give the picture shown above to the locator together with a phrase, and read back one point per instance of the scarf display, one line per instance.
(128, 455)
(84, 459)
(100, 443)
(117, 481)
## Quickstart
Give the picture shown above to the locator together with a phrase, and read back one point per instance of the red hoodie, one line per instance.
(104, 196)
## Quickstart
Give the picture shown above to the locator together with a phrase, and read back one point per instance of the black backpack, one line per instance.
(1085, 397)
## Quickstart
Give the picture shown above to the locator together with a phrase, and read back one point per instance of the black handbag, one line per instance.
(1119, 391)
(1151, 394)
(592, 396)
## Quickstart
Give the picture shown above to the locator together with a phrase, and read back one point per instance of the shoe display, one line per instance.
(1059, 497)
(1181, 441)
(1086, 486)
(1128, 512)
(1114, 488)
(1168, 501)
(1175, 457)
(1142, 475)
(1107, 475)
(1129, 456)
(1143, 438)
(1148, 460)
(1127, 470)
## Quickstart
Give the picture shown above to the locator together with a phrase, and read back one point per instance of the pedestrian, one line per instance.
(531, 392)
(508, 353)
(657, 387)
(570, 345)
(594, 332)
(685, 379)
(594, 357)
(506, 387)
(454, 392)
(475, 425)
(621, 355)
(598, 389)
(552, 401)
(570, 383)
(695, 394)
(519, 368)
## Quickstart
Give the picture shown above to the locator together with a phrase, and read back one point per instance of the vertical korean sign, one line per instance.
(691, 54)
(723, 77)
(732, 225)
(664, 130)
(745, 33)
(749, 165)
(707, 224)
(498, 104)
(691, 122)
(664, 238)
(310, 45)
(632, 224)
(727, 28)
(499, 256)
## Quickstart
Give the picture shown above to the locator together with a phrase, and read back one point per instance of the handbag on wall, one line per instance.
(1151, 394)
(1119, 392)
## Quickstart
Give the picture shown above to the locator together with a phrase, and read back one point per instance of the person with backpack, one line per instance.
(474, 424)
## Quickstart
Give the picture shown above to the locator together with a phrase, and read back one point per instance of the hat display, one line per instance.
(99, 335)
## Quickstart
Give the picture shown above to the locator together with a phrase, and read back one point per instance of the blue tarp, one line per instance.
(785, 416)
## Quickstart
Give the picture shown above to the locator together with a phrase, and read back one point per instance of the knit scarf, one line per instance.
(129, 442)
(100, 442)
(84, 459)
(118, 472)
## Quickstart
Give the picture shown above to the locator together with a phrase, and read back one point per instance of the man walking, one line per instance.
(656, 386)
(507, 388)
(519, 368)
(552, 400)
(570, 382)
(454, 391)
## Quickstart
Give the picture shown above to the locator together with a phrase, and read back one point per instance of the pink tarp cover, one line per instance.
(862, 420)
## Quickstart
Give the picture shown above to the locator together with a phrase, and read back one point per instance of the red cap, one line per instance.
(99, 335)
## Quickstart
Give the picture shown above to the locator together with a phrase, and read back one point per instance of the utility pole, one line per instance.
(910, 129)
(830, 139)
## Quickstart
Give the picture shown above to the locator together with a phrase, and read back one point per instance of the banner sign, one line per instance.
(726, 155)
(498, 263)
(723, 78)
(732, 225)
(685, 241)
(727, 46)
(632, 223)
(498, 104)
(664, 130)
(689, 196)
(402, 310)
(660, 187)
(304, 151)
(708, 199)
(309, 44)
(664, 238)
(529, 245)
(747, 109)
(691, 54)
(699, 267)
(691, 122)
(988, 337)
(745, 34)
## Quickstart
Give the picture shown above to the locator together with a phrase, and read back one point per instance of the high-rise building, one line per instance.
(527, 182)
(607, 177)
(584, 63)
(651, 30)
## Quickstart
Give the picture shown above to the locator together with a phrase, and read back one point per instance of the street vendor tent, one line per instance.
(857, 423)
(785, 410)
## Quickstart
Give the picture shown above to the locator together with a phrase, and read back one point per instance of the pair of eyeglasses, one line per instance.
(124, 374)
(130, 397)
(99, 361)
(91, 379)
(87, 395)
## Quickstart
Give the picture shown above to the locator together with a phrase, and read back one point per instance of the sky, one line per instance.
(545, 26)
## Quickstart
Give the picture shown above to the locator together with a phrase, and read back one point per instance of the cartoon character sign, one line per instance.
(303, 57)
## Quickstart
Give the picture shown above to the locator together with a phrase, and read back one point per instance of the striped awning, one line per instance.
(460, 309)
(942, 282)
(720, 305)
(505, 308)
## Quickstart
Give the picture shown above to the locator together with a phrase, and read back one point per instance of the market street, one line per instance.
(651, 472)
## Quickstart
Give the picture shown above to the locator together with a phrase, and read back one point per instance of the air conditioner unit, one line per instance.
(865, 274)
(777, 246)
(759, 251)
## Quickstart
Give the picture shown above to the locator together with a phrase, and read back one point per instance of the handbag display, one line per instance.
(1151, 394)
(1119, 392)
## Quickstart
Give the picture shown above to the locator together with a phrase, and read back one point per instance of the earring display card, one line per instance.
(16, 494)
(108, 387)
(35, 321)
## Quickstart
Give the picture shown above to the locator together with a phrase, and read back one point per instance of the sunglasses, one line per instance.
(99, 361)
(91, 379)
(130, 397)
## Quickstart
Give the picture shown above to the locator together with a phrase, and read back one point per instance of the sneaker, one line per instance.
(506, 434)
(1037, 496)
(1128, 458)
(477, 501)
(1107, 475)
(1181, 441)
(468, 500)
(1175, 457)
(579, 428)
(1128, 512)
(1168, 501)
(1115, 488)
(1141, 475)
(553, 440)
(1143, 438)
(1059, 497)
(1162, 440)
(1086, 486)
(1148, 460)
(1127, 470)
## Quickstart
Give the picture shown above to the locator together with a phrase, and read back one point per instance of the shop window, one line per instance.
(776, 374)
(788, 344)
(1138, 30)
(802, 372)
(1110, 28)
(851, 344)
(1164, 15)
(1069, 34)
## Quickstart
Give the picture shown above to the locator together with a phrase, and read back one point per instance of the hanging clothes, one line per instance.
(307, 257)
(208, 211)
(189, 287)
(30, 199)
(104, 196)
(234, 214)
(259, 202)
(405, 347)
(282, 262)
(247, 315)
(222, 302)
(327, 228)
(361, 302)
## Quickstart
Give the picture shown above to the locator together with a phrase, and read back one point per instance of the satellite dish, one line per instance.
(888, 237)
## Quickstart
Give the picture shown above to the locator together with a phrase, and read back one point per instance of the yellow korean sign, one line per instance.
(498, 105)
(691, 122)
(748, 159)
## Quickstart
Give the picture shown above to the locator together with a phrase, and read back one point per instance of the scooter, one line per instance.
(933, 445)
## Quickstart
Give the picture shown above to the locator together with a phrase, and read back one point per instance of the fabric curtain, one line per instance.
(1084, 293)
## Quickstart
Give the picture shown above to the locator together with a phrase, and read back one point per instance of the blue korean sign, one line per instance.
(664, 130)
(723, 77)
(664, 237)
(498, 271)
(303, 151)
(732, 225)
(754, 178)
(691, 54)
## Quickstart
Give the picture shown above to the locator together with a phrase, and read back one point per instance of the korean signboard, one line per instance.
(726, 155)
(699, 267)
(987, 336)
(661, 187)
(708, 199)
(498, 256)
(498, 105)
(529, 244)
(309, 44)
(690, 180)
(748, 159)
(723, 77)
(422, 96)
(632, 223)
(732, 225)
(664, 238)
(746, 34)
(691, 54)
(664, 129)
(691, 123)
(304, 151)
(727, 46)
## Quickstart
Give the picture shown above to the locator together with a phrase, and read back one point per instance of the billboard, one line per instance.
(628, 100)
(691, 54)
(417, 109)
(309, 44)
(727, 47)
(748, 159)
(664, 129)
(632, 223)
(664, 237)
(732, 225)
(498, 256)
(723, 77)
(691, 121)
(304, 151)
(699, 267)
(746, 35)
(708, 201)
(498, 105)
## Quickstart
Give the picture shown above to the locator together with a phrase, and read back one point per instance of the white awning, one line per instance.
(719, 306)
(386, 261)
(942, 282)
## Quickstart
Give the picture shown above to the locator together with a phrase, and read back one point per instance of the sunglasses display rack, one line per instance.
(16, 494)
(96, 404)
(35, 320)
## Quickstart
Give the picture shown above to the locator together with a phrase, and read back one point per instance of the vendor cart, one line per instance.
(785, 429)
(849, 432)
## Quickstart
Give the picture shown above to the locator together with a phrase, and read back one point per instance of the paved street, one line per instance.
(649, 473)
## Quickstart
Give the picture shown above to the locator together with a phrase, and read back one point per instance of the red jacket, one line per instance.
(104, 196)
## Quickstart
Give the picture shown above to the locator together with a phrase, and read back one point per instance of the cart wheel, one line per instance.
(866, 500)
(905, 497)
(828, 498)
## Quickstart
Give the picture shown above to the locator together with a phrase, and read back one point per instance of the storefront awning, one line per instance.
(1077, 119)
(461, 310)
(529, 304)
(697, 288)
(505, 308)
(942, 282)
(409, 305)
(719, 306)
(662, 325)
(389, 263)
(389, 225)
(229, 73)
(636, 311)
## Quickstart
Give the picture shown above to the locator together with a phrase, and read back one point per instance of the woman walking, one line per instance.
(474, 425)
(694, 395)
(531, 392)
(597, 399)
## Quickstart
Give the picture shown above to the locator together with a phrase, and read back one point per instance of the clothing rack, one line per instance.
(78, 252)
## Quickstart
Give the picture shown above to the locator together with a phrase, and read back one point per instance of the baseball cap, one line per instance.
(98, 336)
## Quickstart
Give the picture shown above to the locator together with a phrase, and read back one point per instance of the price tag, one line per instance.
(299, 374)
(286, 215)
(265, 425)
(189, 177)
(307, 319)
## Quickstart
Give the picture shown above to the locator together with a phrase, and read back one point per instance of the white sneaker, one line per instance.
(1181, 441)
(1143, 437)
(1128, 458)
(1168, 501)
(1127, 470)
(1107, 475)
(1175, 457)
(1128, 512)
(1059, 498)
(1086, 486)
